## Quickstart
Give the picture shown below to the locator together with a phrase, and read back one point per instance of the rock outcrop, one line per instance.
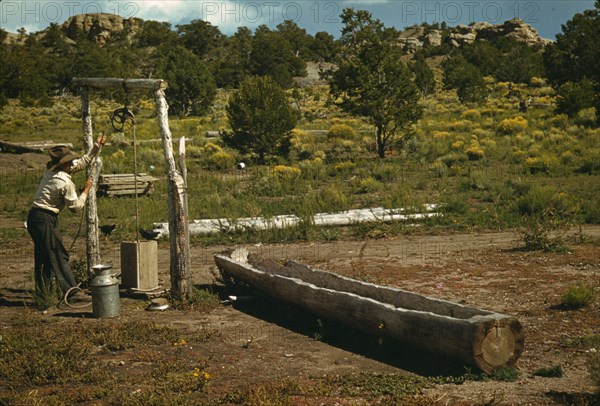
(99, 27)
(414, 38)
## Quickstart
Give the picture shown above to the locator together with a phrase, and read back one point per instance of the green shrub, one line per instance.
(586, 117)
(508, 374)
(47, 295)
(203, 299)
(370, 185)
(385, 172)
(547, 215)
(559, 121)
(591, 211)
(591, 162)
(573, 97)
(345, 167)
(578, 296)
(332, 198)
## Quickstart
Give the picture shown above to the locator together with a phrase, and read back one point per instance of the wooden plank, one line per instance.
(30, 146)
(132, 182)
(125, 186)
(127, 192)
(478, 337)
(133, 84)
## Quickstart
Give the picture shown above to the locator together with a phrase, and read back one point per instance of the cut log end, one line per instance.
(501, 345)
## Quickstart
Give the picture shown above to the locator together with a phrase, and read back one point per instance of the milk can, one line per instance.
(105, 292)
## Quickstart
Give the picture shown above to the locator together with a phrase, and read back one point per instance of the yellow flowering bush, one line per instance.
(440, 134)
(439, 168)
(537, 82)
(211, 147)
(286, 172)
(370, 185)
(222, 160)
(342, 131)
(457, 144)
(566, 157)
(471, 114)
(512, 126)
(475, 152)
(119, 154)
(460, 125)
(345, 166)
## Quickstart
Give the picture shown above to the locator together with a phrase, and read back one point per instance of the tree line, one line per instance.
(369, 80)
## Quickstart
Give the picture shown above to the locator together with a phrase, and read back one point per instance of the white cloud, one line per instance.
(313, 15)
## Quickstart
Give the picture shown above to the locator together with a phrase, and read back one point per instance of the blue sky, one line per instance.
(313, 15)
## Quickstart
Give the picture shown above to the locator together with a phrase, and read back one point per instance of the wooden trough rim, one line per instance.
(484, 339)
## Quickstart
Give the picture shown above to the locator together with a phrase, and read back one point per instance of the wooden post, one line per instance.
(183, 169)
(178, 221)
(93, 171)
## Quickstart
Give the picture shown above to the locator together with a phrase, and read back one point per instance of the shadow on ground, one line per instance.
(10, 297)
(382, 349)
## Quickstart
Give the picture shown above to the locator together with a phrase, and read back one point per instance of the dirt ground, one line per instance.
(480, 269)
(256, 345)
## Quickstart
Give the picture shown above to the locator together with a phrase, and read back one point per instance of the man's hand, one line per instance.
(101, 139)
(88, 185)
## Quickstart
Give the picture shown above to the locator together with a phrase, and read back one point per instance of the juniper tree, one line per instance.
(261, 119)
(371, 81)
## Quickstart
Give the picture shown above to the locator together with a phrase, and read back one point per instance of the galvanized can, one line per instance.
(105, 292)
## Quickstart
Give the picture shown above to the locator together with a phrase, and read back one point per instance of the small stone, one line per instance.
(121, 363)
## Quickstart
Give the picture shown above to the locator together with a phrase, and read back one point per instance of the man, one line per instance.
(57, 190)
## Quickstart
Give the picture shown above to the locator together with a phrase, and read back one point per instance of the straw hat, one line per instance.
(60, 155)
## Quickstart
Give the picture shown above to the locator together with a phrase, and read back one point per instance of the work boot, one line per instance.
(80, 297)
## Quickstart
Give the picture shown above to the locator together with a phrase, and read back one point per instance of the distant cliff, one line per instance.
(100, 27)
(417, 37)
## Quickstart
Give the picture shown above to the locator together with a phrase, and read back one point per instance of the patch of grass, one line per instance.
(392, 387)
(588, 341)
(47, 295)
(577, 296)
(37, 352)
(203, 300)
(550, 372)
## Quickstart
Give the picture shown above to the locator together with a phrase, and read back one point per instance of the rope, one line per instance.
(84, 209)
(135, 187)
(65, 298)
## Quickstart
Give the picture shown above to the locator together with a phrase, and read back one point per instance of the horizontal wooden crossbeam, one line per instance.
(104, 83)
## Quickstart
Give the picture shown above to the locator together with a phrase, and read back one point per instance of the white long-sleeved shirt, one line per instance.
(57, 190)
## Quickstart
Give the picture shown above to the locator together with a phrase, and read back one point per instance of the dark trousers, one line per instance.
(51, 256)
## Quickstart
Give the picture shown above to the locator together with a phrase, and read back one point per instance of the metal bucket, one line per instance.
(105, 292)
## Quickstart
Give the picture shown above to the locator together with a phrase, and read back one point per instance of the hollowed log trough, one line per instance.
(481, 338)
